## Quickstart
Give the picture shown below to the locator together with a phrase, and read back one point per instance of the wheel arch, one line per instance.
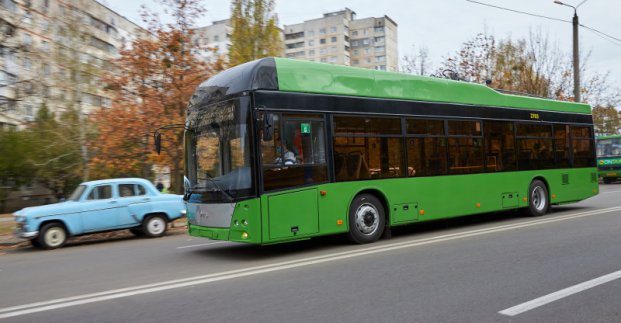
(59, 221)
(150, 214)
(544, 180)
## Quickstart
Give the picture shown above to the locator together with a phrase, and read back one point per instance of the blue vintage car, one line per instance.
(103, 205)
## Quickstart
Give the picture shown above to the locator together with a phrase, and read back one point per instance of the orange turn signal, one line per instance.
(339, 222)
(422, 212)
(323, 193)
(478, 205)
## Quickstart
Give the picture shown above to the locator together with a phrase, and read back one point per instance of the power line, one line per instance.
(518, 11)
(610, 38)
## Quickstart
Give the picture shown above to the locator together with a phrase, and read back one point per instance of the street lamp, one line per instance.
(576, 54)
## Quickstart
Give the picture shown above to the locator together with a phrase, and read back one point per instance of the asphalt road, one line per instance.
(500, 267)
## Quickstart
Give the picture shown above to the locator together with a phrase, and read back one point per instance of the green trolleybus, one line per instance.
(609, 158)
(280, 150)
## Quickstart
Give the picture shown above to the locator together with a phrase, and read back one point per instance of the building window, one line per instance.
(379, 29)
(322, 51)
(355, 62)
(354, 33)
(379, 40)
(322, 41)
(333, 39)
(380, 58)
(380, 49)
(311, 33)
(332, 59)
(322, 31)
(333, 29)
(333, 49)
(311, 52)
(311, 42)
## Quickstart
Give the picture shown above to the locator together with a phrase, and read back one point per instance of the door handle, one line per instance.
(112, 202)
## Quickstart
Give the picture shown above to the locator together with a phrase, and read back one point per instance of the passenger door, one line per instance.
(294, 160)
(101, 209)
(133, 202)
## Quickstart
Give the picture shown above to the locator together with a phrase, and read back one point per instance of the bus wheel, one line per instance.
(366, 219)
(538, 200)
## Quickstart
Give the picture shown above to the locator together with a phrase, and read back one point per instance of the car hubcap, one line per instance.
(367, 219)
(156, 226)
(539, 198)
(54, 237)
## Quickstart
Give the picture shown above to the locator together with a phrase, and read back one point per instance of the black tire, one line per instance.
(538, 199)
(137, 232)
(35, 243)
(155, 226)
(609, 180)
(52, 236)
(366, 219)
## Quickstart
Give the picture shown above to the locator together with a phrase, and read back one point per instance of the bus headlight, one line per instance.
(244, 235)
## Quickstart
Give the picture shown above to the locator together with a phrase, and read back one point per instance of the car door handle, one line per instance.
(112, 202)
(146, 199)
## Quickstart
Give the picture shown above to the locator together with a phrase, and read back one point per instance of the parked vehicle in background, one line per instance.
(97, 206)
(609, 158)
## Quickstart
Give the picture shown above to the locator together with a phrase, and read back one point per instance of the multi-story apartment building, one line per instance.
(215, 36)
(340, 38)
(54, 53)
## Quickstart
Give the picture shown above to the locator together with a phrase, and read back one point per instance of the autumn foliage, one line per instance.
(159, 73)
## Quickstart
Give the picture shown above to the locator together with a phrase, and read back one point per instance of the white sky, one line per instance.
(443, 25)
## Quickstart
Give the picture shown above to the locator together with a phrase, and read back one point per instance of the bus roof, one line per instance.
(290, 75)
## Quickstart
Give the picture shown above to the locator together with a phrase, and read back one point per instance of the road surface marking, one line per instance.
(610, 192)
(257, 270)
(543, 300)
(202, 244)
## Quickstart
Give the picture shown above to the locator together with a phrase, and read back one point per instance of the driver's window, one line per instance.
(126, 190)
(100, 193)
(296, 153)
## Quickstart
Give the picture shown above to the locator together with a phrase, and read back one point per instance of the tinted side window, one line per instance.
(426, 156)
(583, 149)
(561, 146)
(366, 126)
(140, 190)
(499, 141)
(425, 127)
(534, 143)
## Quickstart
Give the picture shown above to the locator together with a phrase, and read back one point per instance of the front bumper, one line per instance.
(25, 234)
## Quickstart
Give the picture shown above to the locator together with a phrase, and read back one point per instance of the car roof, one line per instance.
(117, 180)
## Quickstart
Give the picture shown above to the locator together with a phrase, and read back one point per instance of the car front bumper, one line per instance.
(25, 234)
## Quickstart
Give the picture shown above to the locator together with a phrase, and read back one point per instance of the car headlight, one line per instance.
(20, 218)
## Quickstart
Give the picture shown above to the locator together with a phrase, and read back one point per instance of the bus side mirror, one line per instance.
(268, 127)
(157, 138)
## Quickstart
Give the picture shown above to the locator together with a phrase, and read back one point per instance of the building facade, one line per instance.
(340, 38)
(213, 41)
(54, 53)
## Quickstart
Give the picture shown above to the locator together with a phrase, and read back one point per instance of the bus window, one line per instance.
(561, 146)
(582, 144)
(466, 148)
(367, 147)
(426, 156)
(500, 146)
(534, 145)
(296, 155)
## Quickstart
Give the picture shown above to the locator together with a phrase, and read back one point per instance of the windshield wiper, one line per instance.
(215, 183)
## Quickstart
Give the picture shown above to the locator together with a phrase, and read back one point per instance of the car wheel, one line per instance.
(35, 243)
(154, 226)
(366, 219)
(52, 236)
(538, 199)
(137, 232)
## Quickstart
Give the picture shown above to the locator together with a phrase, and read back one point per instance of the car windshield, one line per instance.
(77, 193)
(218, 151)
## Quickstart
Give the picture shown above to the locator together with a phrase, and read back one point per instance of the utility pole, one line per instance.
(575, 24)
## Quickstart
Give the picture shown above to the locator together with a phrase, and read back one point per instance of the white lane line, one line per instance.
(608, 192)
(204, 279)
(202, 244)
(543, 300)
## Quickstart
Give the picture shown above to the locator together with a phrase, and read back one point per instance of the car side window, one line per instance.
(126, 190)
(100, 193)
(140, 190)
